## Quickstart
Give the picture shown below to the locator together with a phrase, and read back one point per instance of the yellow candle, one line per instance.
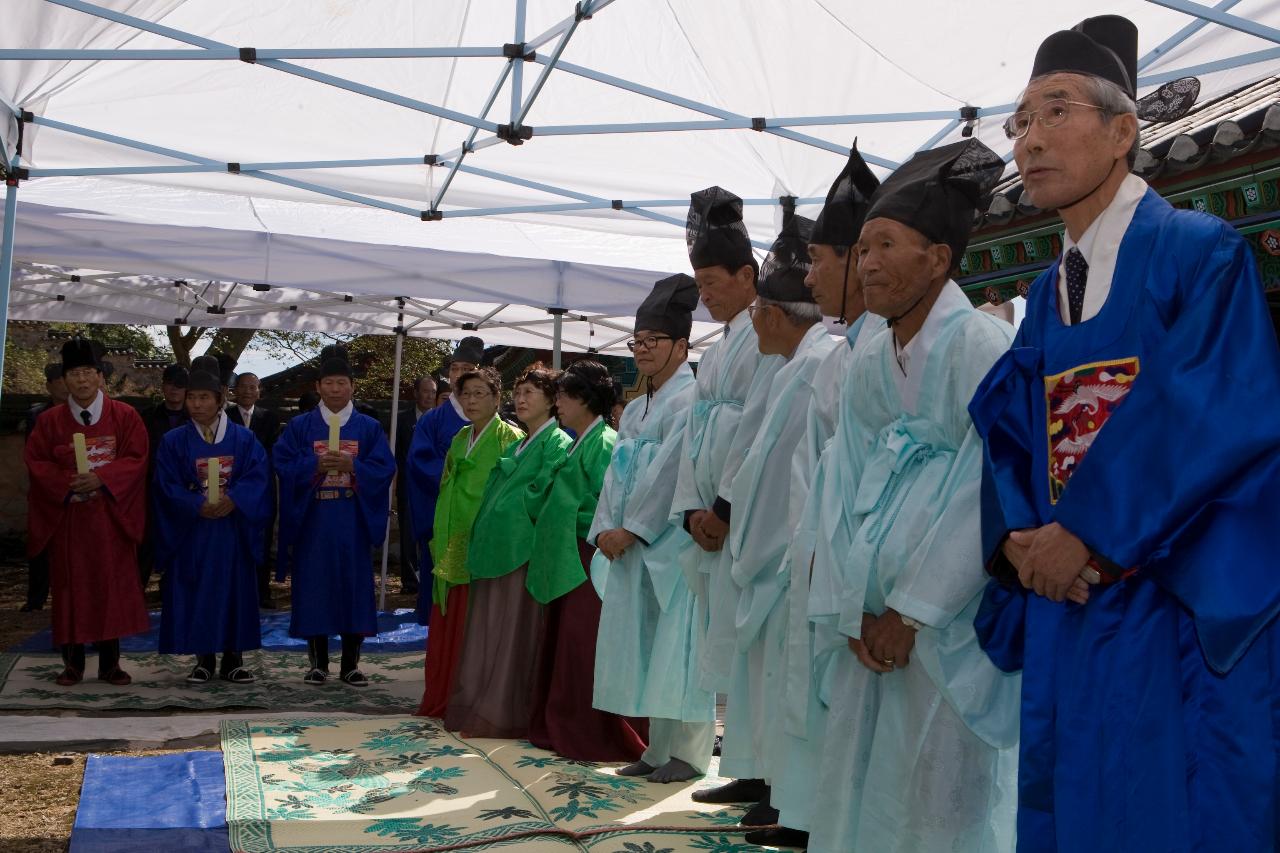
(215, 472)
(82, 453)
(334, 426)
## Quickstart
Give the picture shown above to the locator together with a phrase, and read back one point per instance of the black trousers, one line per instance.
(108, 656)
(37, 581)
(318, 652)
(231, 661)
(408, 550)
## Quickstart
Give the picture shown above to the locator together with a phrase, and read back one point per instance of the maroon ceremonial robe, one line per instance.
(91, 540)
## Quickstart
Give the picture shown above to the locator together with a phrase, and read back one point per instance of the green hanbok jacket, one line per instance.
(502, 537)
(461, 488)
(555, 567)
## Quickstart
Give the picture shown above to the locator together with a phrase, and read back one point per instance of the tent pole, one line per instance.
(6, 253)
(395, 420)
(557, 342)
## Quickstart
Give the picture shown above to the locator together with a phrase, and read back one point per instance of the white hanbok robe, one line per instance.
(715, 444)
(767, 497)
(923, 758)
(795, 741)
(645, 657)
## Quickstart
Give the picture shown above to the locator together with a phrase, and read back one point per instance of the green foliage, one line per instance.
(23, 369)
(421, 357)
(136, 339)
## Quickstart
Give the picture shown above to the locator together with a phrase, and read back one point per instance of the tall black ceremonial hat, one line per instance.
(714, 231)
(205, 375)
(669, 307)
(841, 218)
(936, 192)
(783, 271)
(81, 352)
(470, 350)
(226, 366)
(175, 374)
(334, 361)
(1105, 46)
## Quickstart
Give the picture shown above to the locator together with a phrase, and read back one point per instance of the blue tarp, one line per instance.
(397, 632)
(155, 803)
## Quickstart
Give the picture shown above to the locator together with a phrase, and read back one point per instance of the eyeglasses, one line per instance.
(1050, 114)
(476, 395)
(647, 342)
(752, 309)
(80, 373)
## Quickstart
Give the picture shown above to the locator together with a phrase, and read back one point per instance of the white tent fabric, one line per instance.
(895, 77)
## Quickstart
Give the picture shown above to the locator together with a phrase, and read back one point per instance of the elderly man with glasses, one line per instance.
(1132, 434)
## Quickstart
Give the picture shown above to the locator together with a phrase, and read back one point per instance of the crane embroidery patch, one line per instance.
(1080, 401)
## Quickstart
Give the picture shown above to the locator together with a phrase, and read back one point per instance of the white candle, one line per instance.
(215, 473)
(82, 453)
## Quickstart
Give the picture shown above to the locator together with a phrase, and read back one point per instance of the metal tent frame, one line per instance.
(423, 315)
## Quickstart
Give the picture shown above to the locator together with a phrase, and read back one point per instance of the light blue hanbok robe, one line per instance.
(796, 740)
(715, 444)
(647, 612)
(923, 758)
(767, 495)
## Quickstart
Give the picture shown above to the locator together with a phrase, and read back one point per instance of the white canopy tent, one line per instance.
(437, 167)
(355, 148)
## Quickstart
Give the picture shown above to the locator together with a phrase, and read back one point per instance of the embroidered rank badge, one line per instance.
(101, 450)
(337, 479)
(1080, 401)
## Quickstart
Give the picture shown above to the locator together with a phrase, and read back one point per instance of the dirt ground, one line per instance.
(40, 796)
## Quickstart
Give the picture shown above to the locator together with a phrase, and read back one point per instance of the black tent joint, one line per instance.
(557, 312)
(430, 159)
(758, 124)
(616, 204)
(519, 51)
(215, 309)
(432, 216)
(513, 135)
(249, 55)
(233, 168)
(580, 14)
(470, 327)
(968, 115)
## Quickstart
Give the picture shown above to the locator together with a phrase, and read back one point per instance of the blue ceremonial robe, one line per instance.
(209, 564)
(328, 526)
(423, 470)
(1151, 714)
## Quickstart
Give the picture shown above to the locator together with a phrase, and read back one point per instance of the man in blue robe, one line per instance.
(424, 464)
(208, 546)
(1132, 442)
(334, 505)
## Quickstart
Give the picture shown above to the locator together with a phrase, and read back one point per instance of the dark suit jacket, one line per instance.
(408, 419)
(265, 426)
(158, 422)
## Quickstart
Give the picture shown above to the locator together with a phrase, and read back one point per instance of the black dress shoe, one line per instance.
(777, 836)
(761, 814)
(737, 791)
